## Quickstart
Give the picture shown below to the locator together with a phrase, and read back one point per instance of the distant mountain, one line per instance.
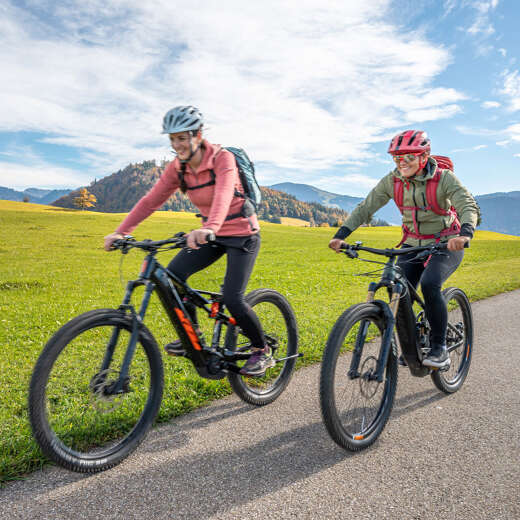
(35, 195)
(120, 191)
(500, 211)
(307, 193)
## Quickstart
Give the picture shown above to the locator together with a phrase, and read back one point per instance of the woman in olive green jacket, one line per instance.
(450, 216)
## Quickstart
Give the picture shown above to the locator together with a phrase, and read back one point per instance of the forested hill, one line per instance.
(119, 192)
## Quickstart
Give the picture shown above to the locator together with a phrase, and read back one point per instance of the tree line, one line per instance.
(119, 192)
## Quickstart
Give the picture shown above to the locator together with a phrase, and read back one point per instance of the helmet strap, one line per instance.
(422, 163)
(192, 151)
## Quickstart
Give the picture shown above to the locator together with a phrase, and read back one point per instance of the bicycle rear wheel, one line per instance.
(356, 407)
(75, 418)
(459, 340)
(281, 333)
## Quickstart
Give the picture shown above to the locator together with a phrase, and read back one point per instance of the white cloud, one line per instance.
(471, 149)
(299, 86)
(481, 28)
(503, 52)
(503, 143)
(513, 131)
(512, 88)
(481, 24)
(449, 5)
(40, 174)
(468, 130)
(490, 104)
(348, 182)
(517, 155)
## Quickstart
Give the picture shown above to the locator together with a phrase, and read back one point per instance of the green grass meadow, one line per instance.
(53, 267)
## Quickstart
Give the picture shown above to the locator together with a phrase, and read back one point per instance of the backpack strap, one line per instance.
(209, 183)
(398, 193)
(431, 193)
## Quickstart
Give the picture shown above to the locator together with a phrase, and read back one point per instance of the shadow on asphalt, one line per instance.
(202, 484)
(210, 414)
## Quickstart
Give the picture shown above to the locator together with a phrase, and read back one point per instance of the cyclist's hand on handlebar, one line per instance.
(110, 239)
(337, 244)
(457, 243)
(199, 237)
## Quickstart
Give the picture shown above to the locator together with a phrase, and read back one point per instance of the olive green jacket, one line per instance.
(450, 192)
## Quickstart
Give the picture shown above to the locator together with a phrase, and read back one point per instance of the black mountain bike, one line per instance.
(98, 383)
(359, 371)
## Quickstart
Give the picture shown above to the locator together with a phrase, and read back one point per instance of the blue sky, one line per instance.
(312, 90)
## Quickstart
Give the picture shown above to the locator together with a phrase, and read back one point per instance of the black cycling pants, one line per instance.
(436, 272)
(241, 254)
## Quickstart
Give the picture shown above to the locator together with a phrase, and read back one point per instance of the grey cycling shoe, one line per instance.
(438, 357)
(258, 363)
(175, 348)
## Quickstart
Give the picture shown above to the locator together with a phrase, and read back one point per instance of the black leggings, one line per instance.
(241, 255)
(438, 270)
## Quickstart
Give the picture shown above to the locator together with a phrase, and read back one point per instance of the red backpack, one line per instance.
(443, 163)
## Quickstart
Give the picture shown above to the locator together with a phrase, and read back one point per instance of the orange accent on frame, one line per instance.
(232, 321)
(359, 437)
(189, 329)
(144, 266)
(215, 307)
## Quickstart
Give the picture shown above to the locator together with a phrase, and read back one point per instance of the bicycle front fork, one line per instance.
(137, 319)
(389, 312)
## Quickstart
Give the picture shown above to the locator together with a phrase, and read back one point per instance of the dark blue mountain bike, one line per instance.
(98, 383)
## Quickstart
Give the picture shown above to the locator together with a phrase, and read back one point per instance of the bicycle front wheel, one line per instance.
(459, 340)
(77, 418)
(281, 333)
(354, 405)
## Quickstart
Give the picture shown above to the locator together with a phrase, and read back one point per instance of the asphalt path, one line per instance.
(449, 457)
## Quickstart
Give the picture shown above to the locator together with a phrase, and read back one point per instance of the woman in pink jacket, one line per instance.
(208, 175)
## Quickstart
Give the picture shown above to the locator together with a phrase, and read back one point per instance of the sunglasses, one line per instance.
(407, 157)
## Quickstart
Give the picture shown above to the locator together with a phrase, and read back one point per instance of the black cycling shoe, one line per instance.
(401, 361)
(437, 358)
(175, 348)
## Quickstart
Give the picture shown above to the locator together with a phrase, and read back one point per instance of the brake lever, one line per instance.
(350, 252)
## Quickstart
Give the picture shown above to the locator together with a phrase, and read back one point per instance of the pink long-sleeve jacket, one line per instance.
(215, 202)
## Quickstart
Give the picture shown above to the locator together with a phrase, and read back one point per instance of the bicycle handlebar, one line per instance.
(351, 250)
(179, 240)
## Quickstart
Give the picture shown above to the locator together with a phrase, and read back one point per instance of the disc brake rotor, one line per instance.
(99, 398)
(368, 386)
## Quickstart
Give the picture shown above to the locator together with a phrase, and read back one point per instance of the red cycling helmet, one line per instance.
(409, 141)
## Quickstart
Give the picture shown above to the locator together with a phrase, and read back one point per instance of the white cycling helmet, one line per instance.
(182, 119)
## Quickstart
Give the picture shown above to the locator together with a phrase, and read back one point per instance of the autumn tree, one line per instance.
(85, 199)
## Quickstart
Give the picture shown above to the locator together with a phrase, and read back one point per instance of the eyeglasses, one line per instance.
(407, 157)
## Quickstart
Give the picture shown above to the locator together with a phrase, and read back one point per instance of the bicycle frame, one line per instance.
(399, 314)
(210, 362)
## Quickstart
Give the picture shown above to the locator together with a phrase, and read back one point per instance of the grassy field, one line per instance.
(53, 267)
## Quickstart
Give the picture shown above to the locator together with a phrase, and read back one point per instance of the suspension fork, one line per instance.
(353, 372)
(390, 312)
(137, 320)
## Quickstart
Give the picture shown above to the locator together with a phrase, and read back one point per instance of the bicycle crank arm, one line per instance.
(456, 346)
(300, 354)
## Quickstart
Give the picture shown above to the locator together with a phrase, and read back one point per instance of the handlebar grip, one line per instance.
(444, 245)
(116, 244)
